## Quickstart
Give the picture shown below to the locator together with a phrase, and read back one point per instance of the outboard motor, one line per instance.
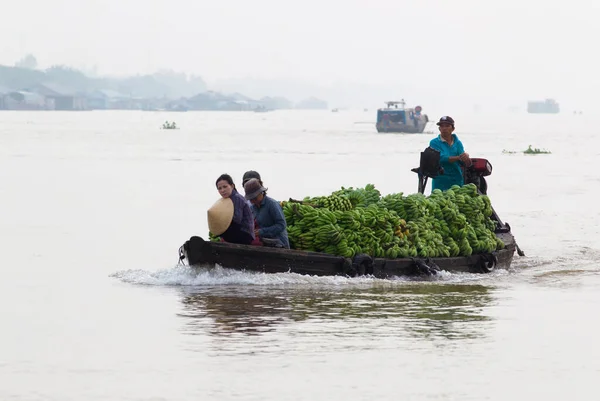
(475, 173)
(429, 166)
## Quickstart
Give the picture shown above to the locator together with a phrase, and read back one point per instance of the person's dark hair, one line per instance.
(225, 177)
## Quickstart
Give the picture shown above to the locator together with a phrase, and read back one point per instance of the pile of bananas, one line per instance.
(360, 197)
(331, 202)
(350, 221)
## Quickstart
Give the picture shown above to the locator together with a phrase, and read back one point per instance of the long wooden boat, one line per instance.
(199, 252)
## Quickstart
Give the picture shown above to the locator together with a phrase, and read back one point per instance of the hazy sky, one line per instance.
(527, 48)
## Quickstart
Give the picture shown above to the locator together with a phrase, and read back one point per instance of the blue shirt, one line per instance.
(452, 171)
(271, 221)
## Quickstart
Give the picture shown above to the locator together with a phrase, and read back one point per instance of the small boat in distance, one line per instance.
(169, 125)
(548, 106)
(400, 119)
(261, 109)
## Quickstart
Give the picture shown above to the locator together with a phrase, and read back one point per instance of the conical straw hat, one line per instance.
(220, 215)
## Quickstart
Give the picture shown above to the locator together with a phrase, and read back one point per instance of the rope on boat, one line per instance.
(426, 266)
(360, 265)
(487, 262)
(181, 262)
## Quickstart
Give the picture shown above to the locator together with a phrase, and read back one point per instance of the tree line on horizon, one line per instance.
(162, 84)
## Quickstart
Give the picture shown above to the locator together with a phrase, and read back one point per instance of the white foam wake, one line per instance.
(203, 276)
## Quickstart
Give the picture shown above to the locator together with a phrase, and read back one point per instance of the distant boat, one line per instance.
(334, 110)
(261, 109)
(396, 118)
(169, 125)
(548, 106)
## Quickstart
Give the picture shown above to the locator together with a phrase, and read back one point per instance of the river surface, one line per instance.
(94, 206)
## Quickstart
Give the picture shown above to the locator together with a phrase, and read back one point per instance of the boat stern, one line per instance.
(196, 251)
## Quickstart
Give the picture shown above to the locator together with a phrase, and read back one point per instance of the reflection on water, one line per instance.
(568, 278)
(422, 310)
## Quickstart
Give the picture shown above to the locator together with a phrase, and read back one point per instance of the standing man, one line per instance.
(452, 155)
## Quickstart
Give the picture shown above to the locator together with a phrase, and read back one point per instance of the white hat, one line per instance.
(220, 216)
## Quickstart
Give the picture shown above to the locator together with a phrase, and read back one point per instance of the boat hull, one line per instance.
(400, 128)
(199, 252)
(405, 129)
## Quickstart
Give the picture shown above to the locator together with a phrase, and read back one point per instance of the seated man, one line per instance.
(268, 214)
(248, 175)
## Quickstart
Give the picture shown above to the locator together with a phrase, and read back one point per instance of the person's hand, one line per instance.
(465, 159)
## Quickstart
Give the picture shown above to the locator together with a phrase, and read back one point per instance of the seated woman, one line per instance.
(268, 214)
(241, 228)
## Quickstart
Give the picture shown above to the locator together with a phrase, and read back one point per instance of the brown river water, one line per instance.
(95, 205)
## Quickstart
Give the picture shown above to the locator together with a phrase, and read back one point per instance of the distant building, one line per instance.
(23, 100)
(182, 104)
(217, 101)
(312, 103)
(207, 101)
(3, 92)
(62, 98)
(237, 105)
(276, 103)
(96, 100)
(103, 99)
(238, 102)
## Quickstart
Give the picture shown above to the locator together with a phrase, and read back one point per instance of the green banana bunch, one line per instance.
(359, 220)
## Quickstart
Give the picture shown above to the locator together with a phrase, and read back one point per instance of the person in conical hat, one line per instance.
(219, 216)
(231, 217)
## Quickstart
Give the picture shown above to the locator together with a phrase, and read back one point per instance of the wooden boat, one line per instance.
(199, 252)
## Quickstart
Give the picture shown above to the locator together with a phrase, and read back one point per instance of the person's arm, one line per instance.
(444, 155)
(279, 223)
(248, 217)
(463, 156)
(238, 209)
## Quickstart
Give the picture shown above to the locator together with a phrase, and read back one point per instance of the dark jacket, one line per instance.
(271, 220)
(241, 230)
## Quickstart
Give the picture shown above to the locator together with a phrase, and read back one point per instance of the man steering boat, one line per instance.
(452, 156)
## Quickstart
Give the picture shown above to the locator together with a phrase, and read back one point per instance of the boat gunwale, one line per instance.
(273, 260)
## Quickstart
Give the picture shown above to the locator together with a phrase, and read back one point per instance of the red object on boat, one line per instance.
(481, 166)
